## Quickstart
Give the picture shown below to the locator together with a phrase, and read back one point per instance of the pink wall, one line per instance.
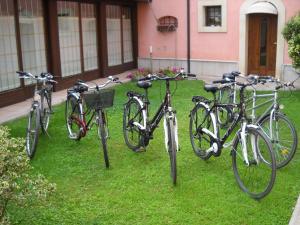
(205, 46)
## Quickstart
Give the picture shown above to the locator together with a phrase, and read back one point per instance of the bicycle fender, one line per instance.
(144, 125)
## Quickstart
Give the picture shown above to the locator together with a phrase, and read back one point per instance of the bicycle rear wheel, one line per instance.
(45, 110)
(72, 116)
(33, 127)
(283, 136)
(257, 178)
(200, 118)
(172, 147)
(103, 135)
(132, 135)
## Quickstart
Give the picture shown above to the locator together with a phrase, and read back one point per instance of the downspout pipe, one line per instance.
(188, 37)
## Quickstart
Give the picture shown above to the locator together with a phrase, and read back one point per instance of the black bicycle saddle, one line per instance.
(144, 84)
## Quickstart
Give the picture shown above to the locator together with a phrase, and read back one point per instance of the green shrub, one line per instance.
(291, 33)
(17, 186)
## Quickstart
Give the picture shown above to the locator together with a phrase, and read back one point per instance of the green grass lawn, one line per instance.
(137, 189)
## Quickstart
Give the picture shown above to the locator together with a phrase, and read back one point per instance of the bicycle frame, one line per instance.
(219, 143)
(150, 125)
(82, 120)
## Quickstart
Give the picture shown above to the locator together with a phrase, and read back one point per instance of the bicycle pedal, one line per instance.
(141, 149)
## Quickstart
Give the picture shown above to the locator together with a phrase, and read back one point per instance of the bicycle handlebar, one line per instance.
(150, 77)
(111, 79)
(44, 76)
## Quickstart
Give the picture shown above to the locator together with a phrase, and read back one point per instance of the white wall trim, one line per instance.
(243, 50)
(201, 15)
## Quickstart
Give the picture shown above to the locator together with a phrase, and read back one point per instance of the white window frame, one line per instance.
(202, 15)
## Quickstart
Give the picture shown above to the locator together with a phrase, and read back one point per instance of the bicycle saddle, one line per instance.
(144, 84)
(211, 88)
(228, 76)
(80, 88)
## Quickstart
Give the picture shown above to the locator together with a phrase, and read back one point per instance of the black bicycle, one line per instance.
(82, 101)
(138, 129)
(253, 160)
(41, 108)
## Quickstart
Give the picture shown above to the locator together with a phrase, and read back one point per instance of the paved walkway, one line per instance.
(21, 109)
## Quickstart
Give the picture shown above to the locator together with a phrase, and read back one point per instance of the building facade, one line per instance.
(73, 39)
(217, 36)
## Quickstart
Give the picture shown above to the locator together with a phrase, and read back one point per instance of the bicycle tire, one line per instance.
(103, 134)
(72, 118)
(200, 141)
(172, 149)
(267, 172)
(133, 106)
(280, 147)
(225, 96)
(32, 133)
(45, 110)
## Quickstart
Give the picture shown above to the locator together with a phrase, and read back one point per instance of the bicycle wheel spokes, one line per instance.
(46, 111)
(132, 134)
(256, 177)
(72, 115)
(32, 131)
(200, 141)
(172, 147)
(103, 135)
(283, 137)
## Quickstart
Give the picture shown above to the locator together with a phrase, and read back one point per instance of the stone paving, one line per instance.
(21, 109)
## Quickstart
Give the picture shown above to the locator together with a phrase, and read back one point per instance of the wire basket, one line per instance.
(99, 99)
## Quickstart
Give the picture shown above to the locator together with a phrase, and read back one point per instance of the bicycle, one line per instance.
(138, 129)
(83, 100)
(276, 125)
(40, 110)
(251, 149)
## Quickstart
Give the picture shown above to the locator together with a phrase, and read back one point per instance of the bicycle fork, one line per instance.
(244, 145)
(170, 116)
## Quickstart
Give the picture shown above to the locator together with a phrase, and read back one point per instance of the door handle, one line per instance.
(275, 43)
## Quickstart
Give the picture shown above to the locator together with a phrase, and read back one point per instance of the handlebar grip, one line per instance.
(22, 74)
(144, 79)
(191, 75)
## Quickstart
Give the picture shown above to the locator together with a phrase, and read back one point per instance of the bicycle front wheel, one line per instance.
(171, 125)
(33, 130)
(257, 177)
(283, 136)
(45, 110)
(133, 114)
(103, 135)
(72, 116)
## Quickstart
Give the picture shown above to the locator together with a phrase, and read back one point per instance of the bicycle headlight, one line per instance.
(281, 106)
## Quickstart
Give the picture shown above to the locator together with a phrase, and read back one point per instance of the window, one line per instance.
(69, 43)
(113, 28)
(263, 42)
(8, 47)
(127, 35)
(31, 23)
(119, 35)
(89, 36)
(212, 15)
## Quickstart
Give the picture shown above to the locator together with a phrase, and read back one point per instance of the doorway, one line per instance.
(262, 44)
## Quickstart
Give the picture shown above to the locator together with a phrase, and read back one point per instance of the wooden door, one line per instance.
(262, 43)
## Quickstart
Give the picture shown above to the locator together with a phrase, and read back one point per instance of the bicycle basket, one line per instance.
(99, 99)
